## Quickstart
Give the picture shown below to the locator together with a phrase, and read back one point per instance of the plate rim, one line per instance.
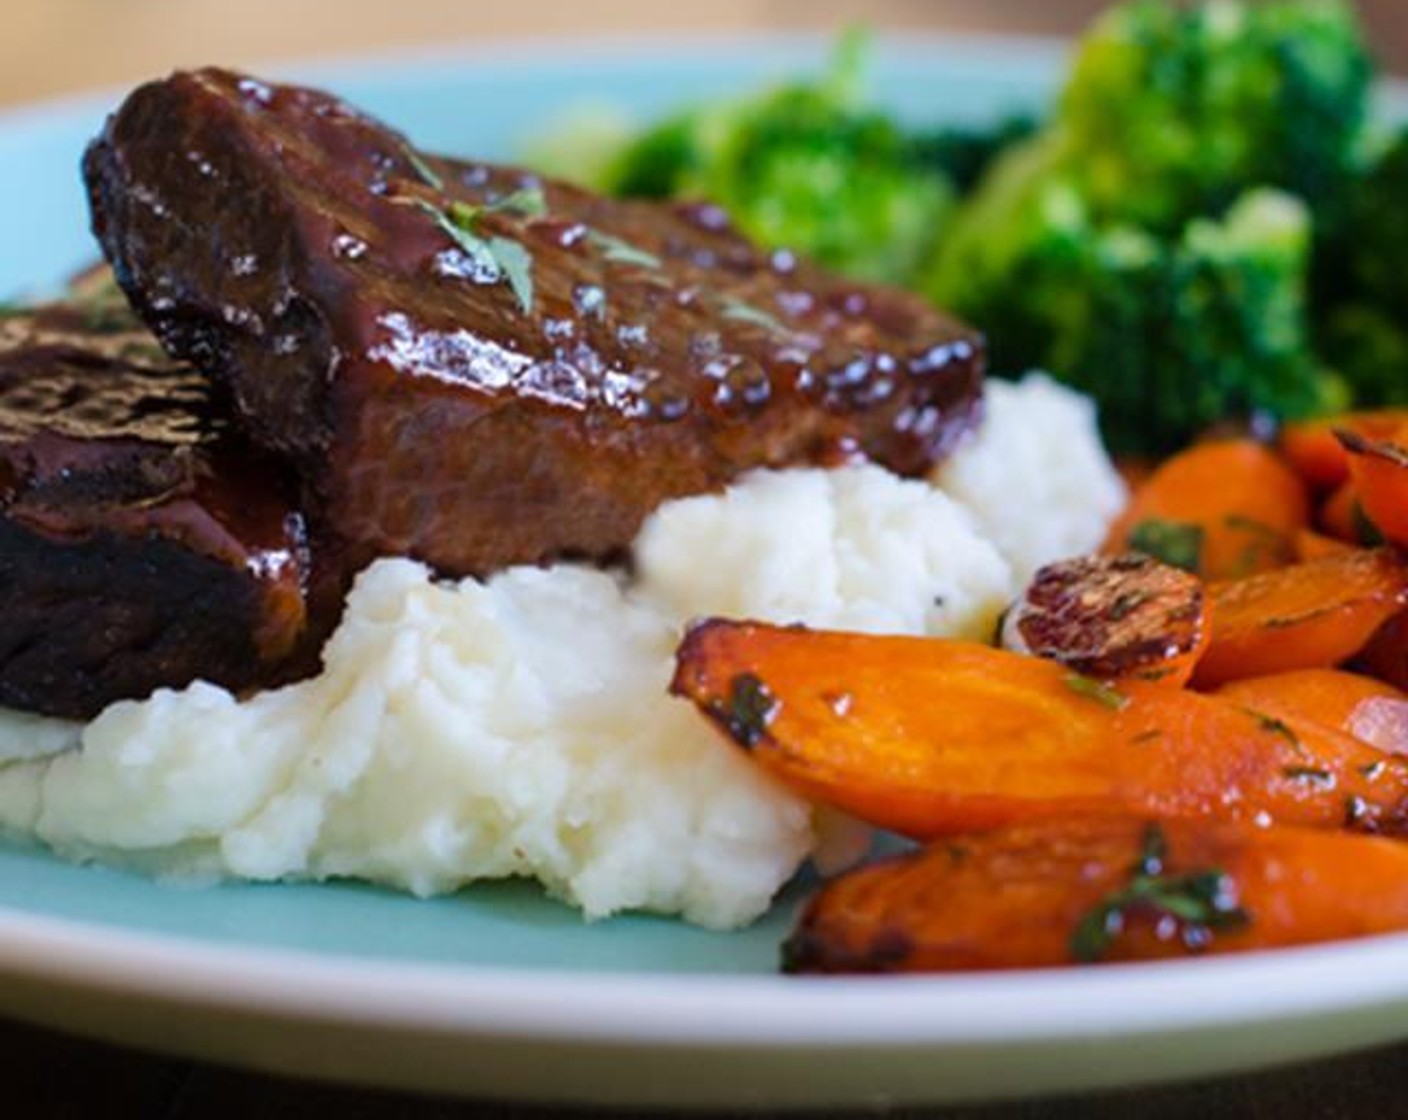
(659, 1009)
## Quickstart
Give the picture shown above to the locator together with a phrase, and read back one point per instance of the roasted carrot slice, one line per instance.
(931, 738)
(1340, 517)
(1222, 510)
(1379, 472)
(1385, 658)
(1309, 616)
(1370, 710)
(1311, 545)
(1101, 889)
(1313, 449)
(1112, 617)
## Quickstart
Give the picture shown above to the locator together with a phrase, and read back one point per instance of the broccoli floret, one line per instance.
(1179, 335)
(1136, 245)
(1361, 283)
(801, 167)
(964, 154)
(1375, 232)
(1173, 112)
(1369, 349)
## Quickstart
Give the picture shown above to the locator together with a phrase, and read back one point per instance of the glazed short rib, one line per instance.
(476, 367)
(142, 542)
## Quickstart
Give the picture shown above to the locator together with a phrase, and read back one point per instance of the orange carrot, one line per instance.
(1385, 658)
(1339, 516)
(1113, 617)
(1222, 509)
(1313, 449)
(1101, 889)
(1309, 616)
(1311, 545)
(932, 738)
(1379, 472)
(1370, 710)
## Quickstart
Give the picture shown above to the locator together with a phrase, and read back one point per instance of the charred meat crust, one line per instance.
(308, 257)
(142, 542)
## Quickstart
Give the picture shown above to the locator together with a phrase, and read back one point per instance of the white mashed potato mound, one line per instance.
(520, 726)
(459, 732)
(1035, 474)
(849, 549)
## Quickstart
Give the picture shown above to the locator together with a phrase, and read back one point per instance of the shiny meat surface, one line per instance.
(477, 367)
(142, 543)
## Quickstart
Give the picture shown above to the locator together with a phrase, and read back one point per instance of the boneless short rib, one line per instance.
(476, 367)
(142, 541)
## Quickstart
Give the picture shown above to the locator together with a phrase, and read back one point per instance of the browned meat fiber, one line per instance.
(142, 543)
(478, 367)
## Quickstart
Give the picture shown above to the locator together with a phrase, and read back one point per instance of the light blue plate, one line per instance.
(501, 991)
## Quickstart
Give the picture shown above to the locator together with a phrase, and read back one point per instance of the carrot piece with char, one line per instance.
(1308, 616)
(1314, 451)
(932, 738)
(1222, 509)
(1370, 710)
(1385, 658)
(1311, 545)
(1340, 518)
(1113, 617)
(1101, 889)
(1379, 472)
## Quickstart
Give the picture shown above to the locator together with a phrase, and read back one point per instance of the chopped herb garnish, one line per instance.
(748, 711)
(1175, 543)
(1252, 525)
(1267, 544)
(1365, 531)
(1310, 774)
(1098, 691)
(428, 174)
(530, 202)
(1373, 770)
(747, 313)
(1200, 902)
(496, 258)
(1356, 811)
(517, 266)
(1126, 604)
(1276, 727)
(623, 252)
(1356, 444)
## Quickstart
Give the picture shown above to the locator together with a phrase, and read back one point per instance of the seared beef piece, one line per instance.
(142, 543)
(475, 378)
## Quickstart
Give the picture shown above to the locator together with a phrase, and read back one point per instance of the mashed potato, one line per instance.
(1035, 475)
(520, 726)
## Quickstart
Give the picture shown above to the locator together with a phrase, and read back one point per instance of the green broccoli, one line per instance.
(1369, 349)
(1361, 284)
(1227, 300)
(1173, 112)
(1136, 246)
(964, 153)
(802, 167)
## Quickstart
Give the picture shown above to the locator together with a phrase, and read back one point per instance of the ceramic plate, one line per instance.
(500, 992)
